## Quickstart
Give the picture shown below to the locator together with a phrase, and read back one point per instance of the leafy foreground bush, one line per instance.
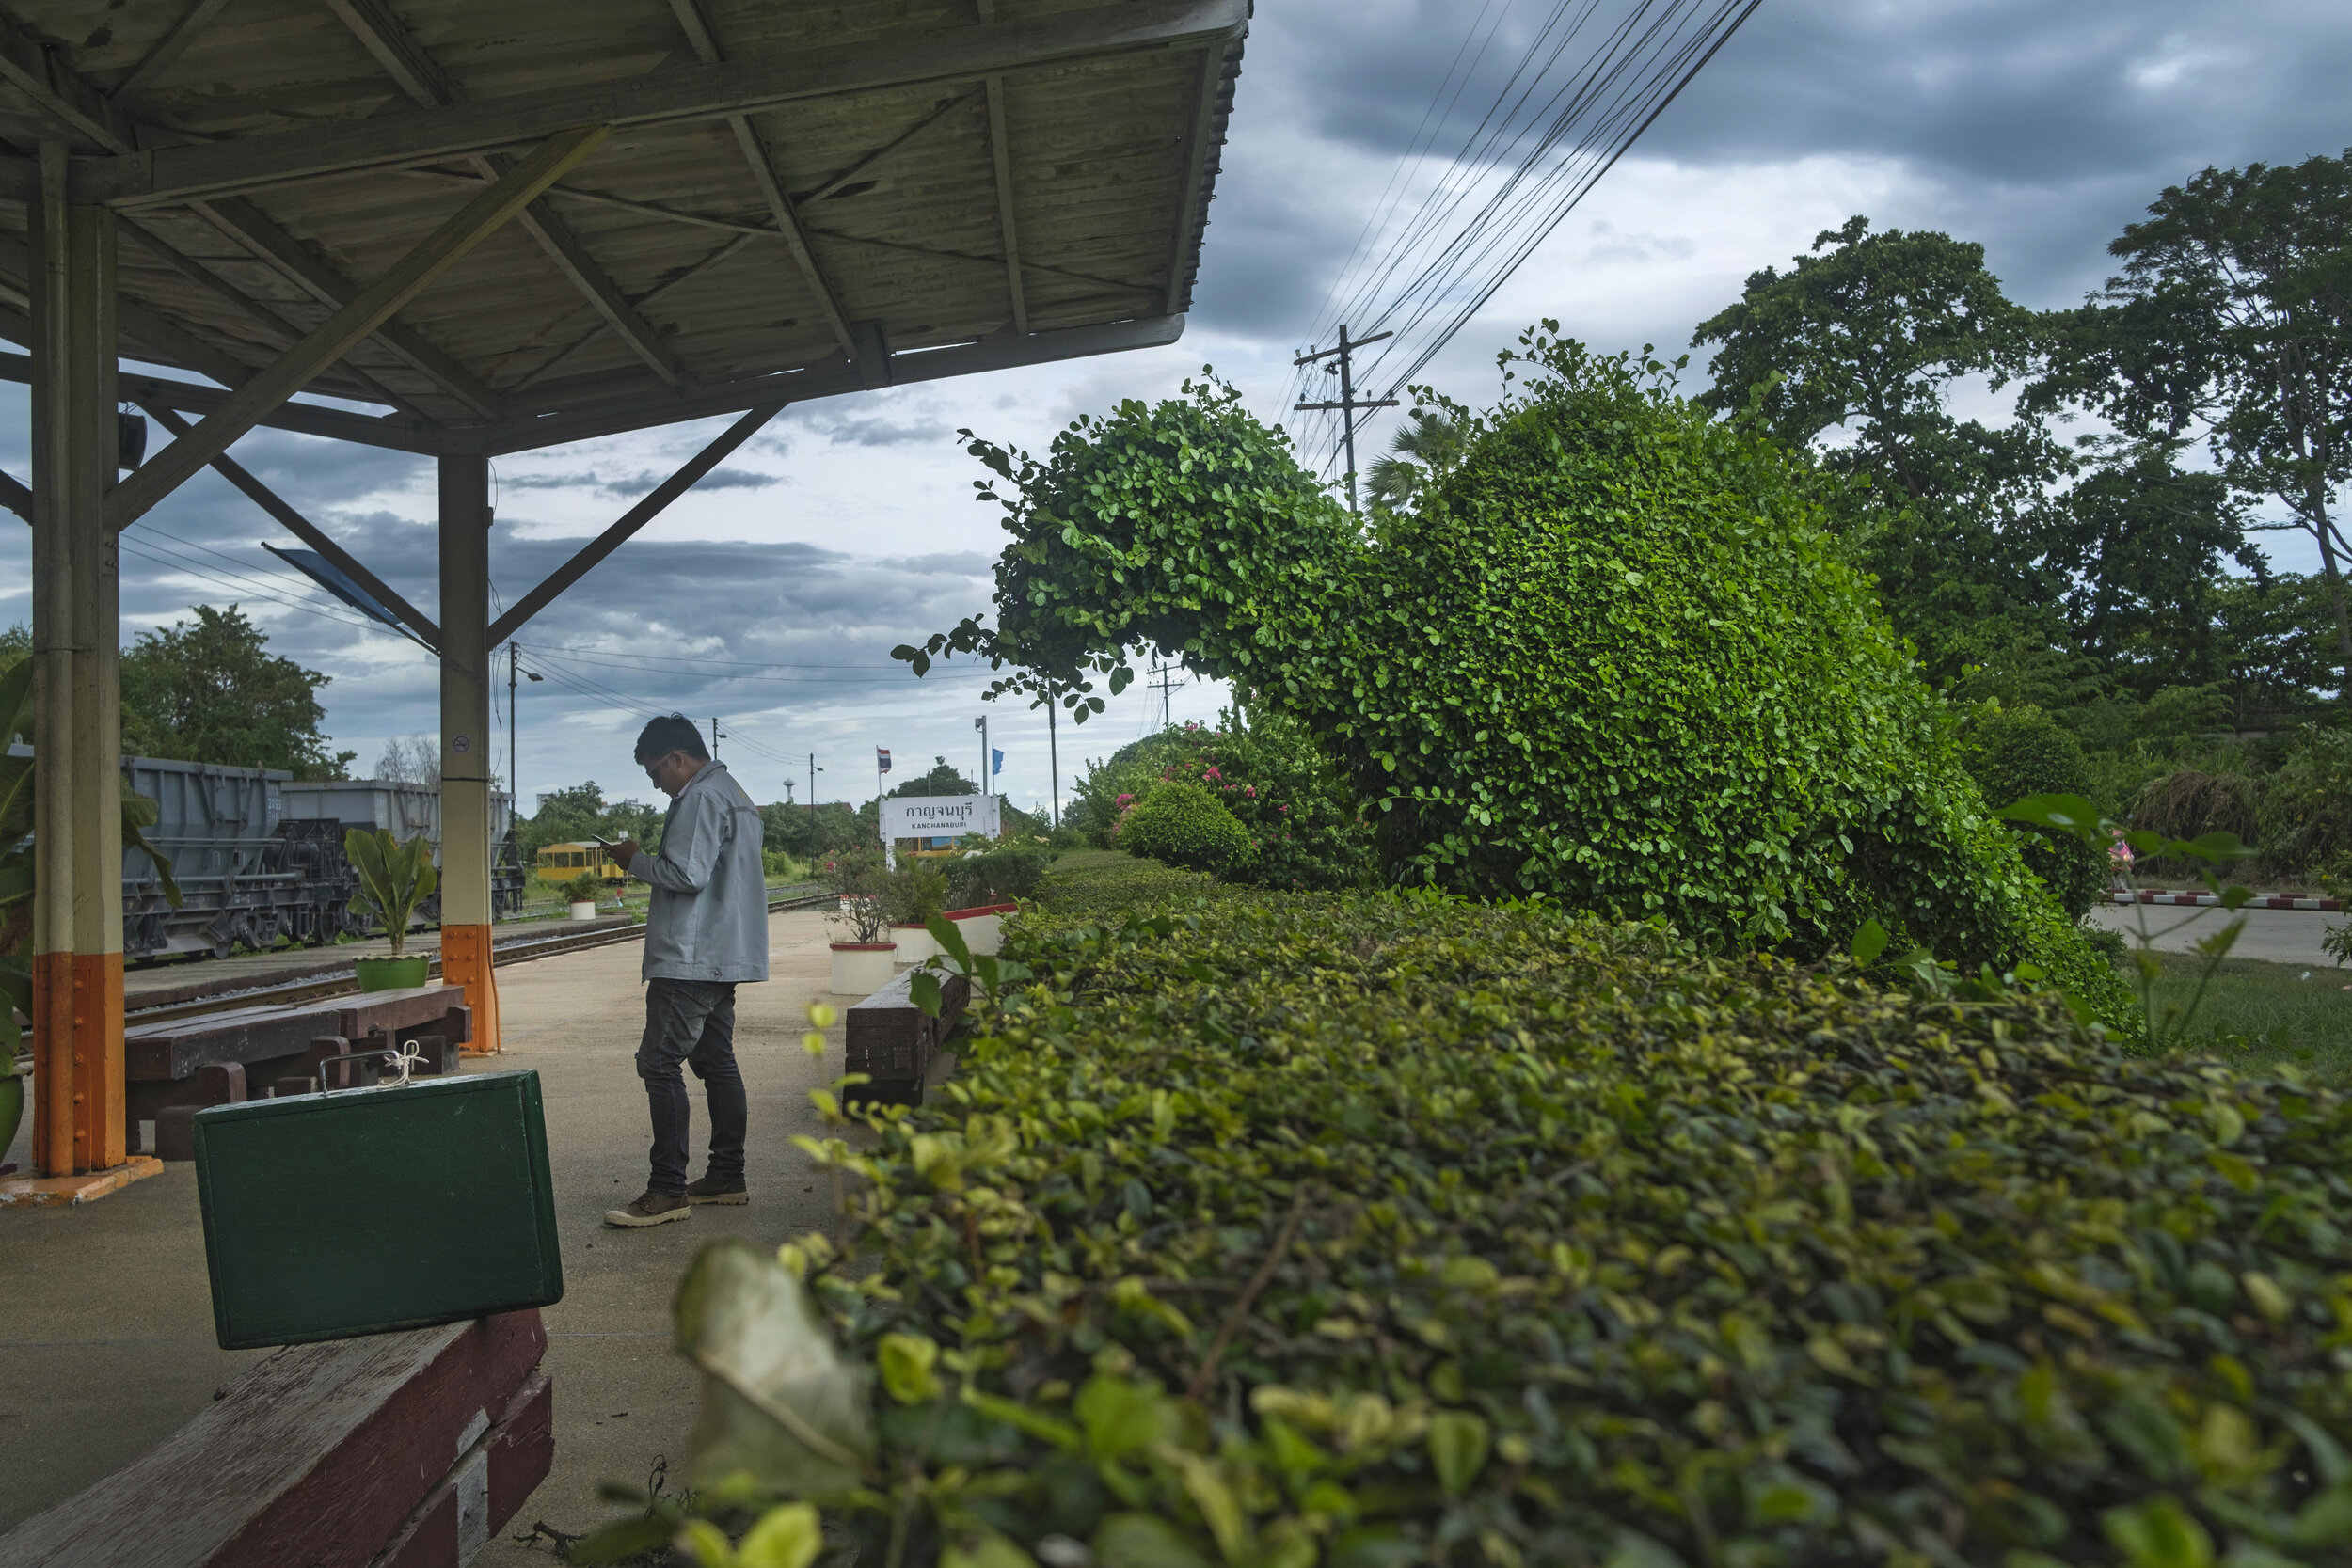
(1180, 822)
(1275, 1230)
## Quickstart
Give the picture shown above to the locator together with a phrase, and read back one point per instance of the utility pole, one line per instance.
(981, 724)
(514, 787)
(1348, 402)
(1053, 750)
(715, 737)
(1165, 685)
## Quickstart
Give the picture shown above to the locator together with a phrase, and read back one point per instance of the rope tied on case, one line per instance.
(406, 1060)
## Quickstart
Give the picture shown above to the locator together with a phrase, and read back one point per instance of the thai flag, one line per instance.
(882, 759)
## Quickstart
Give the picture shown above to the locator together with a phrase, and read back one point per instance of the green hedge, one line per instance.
(2014, 753)
(1490, 1237)
(1181, 823)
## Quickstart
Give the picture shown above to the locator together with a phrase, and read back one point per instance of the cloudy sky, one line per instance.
(770, 596)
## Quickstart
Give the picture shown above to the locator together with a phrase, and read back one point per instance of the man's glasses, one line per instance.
(653, 768)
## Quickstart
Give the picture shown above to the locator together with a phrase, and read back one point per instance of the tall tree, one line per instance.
(2232, 323)
(210, 690)
(1867, 337)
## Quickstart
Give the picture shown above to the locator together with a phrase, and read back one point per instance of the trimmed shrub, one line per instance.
(1612, 658)
(2014, 753)
(1182, 824)
(998, 876)
(913, 892)
(1272, 775)
(1376, 1230)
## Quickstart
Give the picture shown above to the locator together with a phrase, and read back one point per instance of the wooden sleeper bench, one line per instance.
(894, 1042)
(176, 1065)
(402, 1450)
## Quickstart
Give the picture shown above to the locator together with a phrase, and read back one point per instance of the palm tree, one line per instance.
(1427, 448)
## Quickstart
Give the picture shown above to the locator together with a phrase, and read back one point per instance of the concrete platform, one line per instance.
(105, 1317)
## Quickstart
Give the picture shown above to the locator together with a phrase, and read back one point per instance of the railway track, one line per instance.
(344, 983)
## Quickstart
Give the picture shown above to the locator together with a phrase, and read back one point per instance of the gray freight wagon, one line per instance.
(258, 856)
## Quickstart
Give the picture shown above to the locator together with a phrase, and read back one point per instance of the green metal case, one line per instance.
(368, 1210)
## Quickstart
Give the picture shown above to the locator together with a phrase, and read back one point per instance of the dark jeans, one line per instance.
(692, 1021)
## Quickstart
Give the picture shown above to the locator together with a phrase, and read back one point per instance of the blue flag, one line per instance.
(995, 760)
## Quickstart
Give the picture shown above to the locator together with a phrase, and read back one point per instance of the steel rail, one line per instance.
(347, 984)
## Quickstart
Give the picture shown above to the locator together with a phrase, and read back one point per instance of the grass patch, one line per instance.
(2258, 1014)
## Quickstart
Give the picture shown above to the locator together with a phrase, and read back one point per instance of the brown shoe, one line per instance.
(711, 1191)
(652, 1207)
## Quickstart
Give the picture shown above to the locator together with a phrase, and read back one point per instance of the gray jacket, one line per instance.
(710, 914)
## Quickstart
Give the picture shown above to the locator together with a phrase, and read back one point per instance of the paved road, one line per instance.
(2280, 936)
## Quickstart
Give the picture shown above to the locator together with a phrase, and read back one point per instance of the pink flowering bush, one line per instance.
(1304, 826)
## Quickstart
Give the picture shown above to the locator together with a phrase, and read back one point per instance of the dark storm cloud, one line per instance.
(645, 480)
(2038, 128)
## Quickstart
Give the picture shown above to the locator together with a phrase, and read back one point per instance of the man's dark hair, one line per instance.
(671, 732)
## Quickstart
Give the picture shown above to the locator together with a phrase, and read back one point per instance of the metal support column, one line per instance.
(465, 741)
(78, 927)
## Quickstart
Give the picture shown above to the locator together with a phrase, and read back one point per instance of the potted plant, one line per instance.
(16, 882)
(861, 965)
(394, 879)
(915, 892)
(583, 890)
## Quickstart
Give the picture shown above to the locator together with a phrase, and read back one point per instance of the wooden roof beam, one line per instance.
(1000, 152)
(36, 70)
(259, 233)
(1198, 141)
(673, 95)
(303, 528)
(287, 333)
(1000, 149)
(830, 378)
(167, 48)
(333, 337)
(422, 79)
(625, 526)
(704, 39)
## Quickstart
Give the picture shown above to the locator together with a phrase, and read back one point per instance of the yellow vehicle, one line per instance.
(561, 862)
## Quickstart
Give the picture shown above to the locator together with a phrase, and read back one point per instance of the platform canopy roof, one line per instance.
(781, 199)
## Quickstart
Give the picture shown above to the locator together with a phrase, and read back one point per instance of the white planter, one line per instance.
(914, 944)
(982, 929)
(862, 967)
(583, 909)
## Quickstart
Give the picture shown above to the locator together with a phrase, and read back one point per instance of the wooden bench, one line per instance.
(408, 1450)
(895, 1042)
(173, 1067)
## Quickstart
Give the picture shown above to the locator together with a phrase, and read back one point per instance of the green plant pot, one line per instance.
(392, 973)
(11, 1111)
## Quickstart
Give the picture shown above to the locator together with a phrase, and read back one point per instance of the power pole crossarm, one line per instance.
(1348, 402)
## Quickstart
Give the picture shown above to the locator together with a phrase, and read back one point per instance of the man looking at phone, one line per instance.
(706, 933)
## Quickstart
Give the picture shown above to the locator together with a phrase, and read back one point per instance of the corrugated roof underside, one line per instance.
(1101, 175)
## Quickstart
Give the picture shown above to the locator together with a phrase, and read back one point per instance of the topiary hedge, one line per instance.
(2014, 753)
(1613, 658)
(1181, 823)
(1275, 1230)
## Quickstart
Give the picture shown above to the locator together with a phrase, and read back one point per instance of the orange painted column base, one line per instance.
(52, 1064)
(78, 1065)
(466, 961)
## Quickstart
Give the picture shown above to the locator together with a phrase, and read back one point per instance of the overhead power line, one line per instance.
(1570, 102)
